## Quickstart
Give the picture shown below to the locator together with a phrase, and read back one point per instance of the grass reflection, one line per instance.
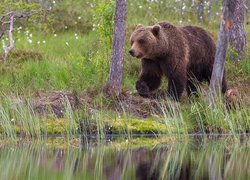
(197, 158)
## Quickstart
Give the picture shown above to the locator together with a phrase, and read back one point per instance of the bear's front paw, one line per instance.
(142, 89)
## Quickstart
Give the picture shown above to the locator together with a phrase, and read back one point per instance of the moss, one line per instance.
(55, 126)
(136, 126)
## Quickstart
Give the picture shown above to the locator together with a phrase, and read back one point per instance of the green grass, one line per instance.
(61, 67)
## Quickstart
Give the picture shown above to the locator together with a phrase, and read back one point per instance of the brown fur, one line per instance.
(232, 99)
(184, 54)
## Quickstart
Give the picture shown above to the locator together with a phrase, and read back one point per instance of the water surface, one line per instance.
(139, 158)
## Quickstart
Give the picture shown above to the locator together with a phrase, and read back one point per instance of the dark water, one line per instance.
(140, 158)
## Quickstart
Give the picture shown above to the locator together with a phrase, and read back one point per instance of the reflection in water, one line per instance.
(215, 159)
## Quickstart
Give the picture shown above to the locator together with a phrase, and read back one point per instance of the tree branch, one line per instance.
(5, 15)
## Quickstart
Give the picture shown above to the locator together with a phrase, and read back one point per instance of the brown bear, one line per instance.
(184, 54)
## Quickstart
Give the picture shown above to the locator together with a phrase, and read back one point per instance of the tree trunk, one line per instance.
(220, 55)
(193, 4)
(8, 48)
(227, 26)
(200, 11)
(181, 11)
(210, 10)
(237, 35)
(115, 74)
(247, 9)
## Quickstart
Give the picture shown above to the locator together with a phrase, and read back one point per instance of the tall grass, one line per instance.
(6, 122)
(199, 117)
(219, 119)
(173, 118)
(73, 123)
(19, 119)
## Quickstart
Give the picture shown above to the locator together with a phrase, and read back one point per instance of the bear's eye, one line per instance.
(141, 41)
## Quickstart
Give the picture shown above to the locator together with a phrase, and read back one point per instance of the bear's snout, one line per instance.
(132, 52)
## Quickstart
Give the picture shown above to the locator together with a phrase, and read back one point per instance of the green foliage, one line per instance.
(245, 65)
(103, 21)
(17, 7)
(33, 14)
(72, 15)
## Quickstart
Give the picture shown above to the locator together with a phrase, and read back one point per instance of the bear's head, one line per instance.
(147, 42)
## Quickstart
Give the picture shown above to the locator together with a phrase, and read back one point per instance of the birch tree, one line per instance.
(113, 85)
(7, 49)
(237, 35)
(210, 10)
(247, 9)
(221, 49)
(200, 10)
(10, 12)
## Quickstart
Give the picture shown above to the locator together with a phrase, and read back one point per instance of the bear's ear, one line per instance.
(139, 26)
(156, 29)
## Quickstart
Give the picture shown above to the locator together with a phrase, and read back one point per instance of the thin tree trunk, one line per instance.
(8, 48)
(115, 75)
(181, 10)
(247, 11)
(210, 10)
(193, 4)
(220, 55)
(200, 10)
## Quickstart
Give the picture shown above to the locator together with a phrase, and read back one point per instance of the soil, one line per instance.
(128, 102)
(55, 101)
(22, 55)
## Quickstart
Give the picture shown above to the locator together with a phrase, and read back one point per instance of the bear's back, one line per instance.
(200, 42)
(201, 51)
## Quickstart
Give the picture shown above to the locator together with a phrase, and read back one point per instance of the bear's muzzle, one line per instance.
(132, 52)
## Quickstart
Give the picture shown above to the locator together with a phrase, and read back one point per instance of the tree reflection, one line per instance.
(211, 159)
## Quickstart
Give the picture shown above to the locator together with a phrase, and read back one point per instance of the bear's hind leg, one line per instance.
(224, 83)
(176, 87)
